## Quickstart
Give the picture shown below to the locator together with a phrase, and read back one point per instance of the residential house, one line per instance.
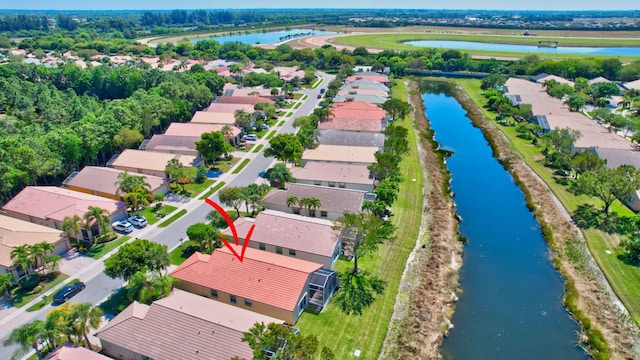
(333, 201)
(274, 285)
(291, 235)
(243, 100)
(351, 138)
(371, 99)
(172, 144)
(344, 176)
(288, 73)
(103, 181)
(365, 84)
(542, 78)
(15, 232)
(353, 125)
(229, 108)
(632, 85)
(373, 76)
(197, 129)
(222, 118)
(235, 90)
(150, 162)
(49, 205)
(346, 90)
(357, 110)
(180, 326)
(357, 155)
(70, 351)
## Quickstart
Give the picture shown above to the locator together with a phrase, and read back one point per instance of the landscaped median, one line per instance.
(241, 166)
(344, 333)
(173, 218)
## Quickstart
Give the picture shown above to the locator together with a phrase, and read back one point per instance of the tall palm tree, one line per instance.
(292, 201)
(72, 226)
(138, 200)
(242, 118)
(21, 256)
(40, 252)
(128, 183)
(312, 205)
(6, 282)
(148, 288)
(52, 262)
(55, 325)
(85, 317)
(101, 217)
(27, 337)
(279, 175)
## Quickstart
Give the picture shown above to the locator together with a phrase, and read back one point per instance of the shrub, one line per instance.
(29, 282)
(37, 289)
(110, 236)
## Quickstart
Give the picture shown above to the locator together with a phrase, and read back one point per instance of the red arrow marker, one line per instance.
(233, 231)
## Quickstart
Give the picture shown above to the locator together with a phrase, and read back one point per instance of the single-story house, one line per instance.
(70, 351)
(292, 235)
(333, 201)
(371, 99)
(150, 162)
(243, 100)
(632, 85)
(543, 77)
(351, 138)
(49, 205)
(357, 110)
(229, 108)
(180, 326)
(15, 232)
(288, 73)
(345, 91)
(233, 90)
(222, 118)
(358, 155)
(365, 84)
(197, 129)
(102, 181)
(369, 76)
(172, 144)
(353, 125)
(270, 284)
(344, 176)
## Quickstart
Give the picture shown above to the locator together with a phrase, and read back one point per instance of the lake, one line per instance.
(268, 38)
(510, 302)
(471, 45)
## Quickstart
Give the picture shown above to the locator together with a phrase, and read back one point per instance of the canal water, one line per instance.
(510, 304)
(473, 45)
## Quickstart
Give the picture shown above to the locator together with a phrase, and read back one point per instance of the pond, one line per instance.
(510, 303)
(471, 45)
(272, 37)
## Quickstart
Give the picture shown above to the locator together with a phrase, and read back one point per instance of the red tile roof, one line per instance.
(263, 277)
(366, 125)
(229, 108)
(243, 100)
(69, 351)
(357, 110)
(372, 77)
(196, 129)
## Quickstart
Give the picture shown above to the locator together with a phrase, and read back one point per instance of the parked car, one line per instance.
(264, 127)
(251, 137)
(68, 292)
(319, 96)
(322, 90)
(122, 226)
(138, 220)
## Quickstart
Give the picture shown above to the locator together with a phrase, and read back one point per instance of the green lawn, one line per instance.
(241, 166)
(270, 135)
(281, 123)
(20, 297)
(99, 251)
(195, 189)
(297, 105)
(175, 256)
(289, 114)
(346, 333)
(116, 302)
(225, 166)
(212, 190)
(298, 96)
(258, 148)
(316, 83)
(623, 277)
(150, 213)
(173, 218)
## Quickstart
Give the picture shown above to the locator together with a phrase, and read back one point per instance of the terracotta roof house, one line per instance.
(197, 129)
(292, 235)
(369, 76)
(365, 84)
(48, 205)
(180, 326)
(353, 125)
(149, 162)
(357, 110)
(233, 90)
(269, 284)
(223, 118)
(371, 99)
(333, 201)
(351, 138)
(15, 232)
(69, 351)
(172, 144)
(102, 181)
(243, 100)
(344, 176)
(358, 155)
(229, 108)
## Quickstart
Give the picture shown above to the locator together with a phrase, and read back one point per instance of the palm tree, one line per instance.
(310, 203)
(40, 252)
(101, 217)
(138, 200)
(291, 202)
(279, 175)
(52, 262)
(72, 225)
(227, 131)
(27, 337)
(54, 326)
(242, 118)
(85, 317)
(6, 282)
(129, 183)
(21, 256)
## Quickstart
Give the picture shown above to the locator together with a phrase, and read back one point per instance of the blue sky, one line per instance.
(376, 4)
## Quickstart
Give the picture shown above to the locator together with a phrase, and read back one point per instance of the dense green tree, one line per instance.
(279, 175)
(282, 341)
(285, 147)
(147, 287)
(396, 108)
(387, 164)
(207, 238)
(213, 145)
(609, 184)
(232, 196)
(135, 256)
(127, 138)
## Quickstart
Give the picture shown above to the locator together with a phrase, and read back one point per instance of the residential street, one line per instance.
(99, 286)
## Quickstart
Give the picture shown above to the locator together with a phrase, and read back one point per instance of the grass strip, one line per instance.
(212, 190)
(345, 333)
(270, 135)
(21, 298)
(281, 123)
(316, 83)
(195, 189)
(175, 256)
(153, 214)
(289, 114)
(241, 166)
(173, 218)
(98, 251)
(258, 148)
(297, 105)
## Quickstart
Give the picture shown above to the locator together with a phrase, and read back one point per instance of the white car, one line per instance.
(251, 137)
(122, 226)
(138, 220)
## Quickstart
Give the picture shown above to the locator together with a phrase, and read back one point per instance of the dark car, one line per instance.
(68, 292)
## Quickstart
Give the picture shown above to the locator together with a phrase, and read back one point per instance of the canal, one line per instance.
(510, 299)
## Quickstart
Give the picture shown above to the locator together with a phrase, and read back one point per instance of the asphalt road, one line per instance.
(100, 286)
